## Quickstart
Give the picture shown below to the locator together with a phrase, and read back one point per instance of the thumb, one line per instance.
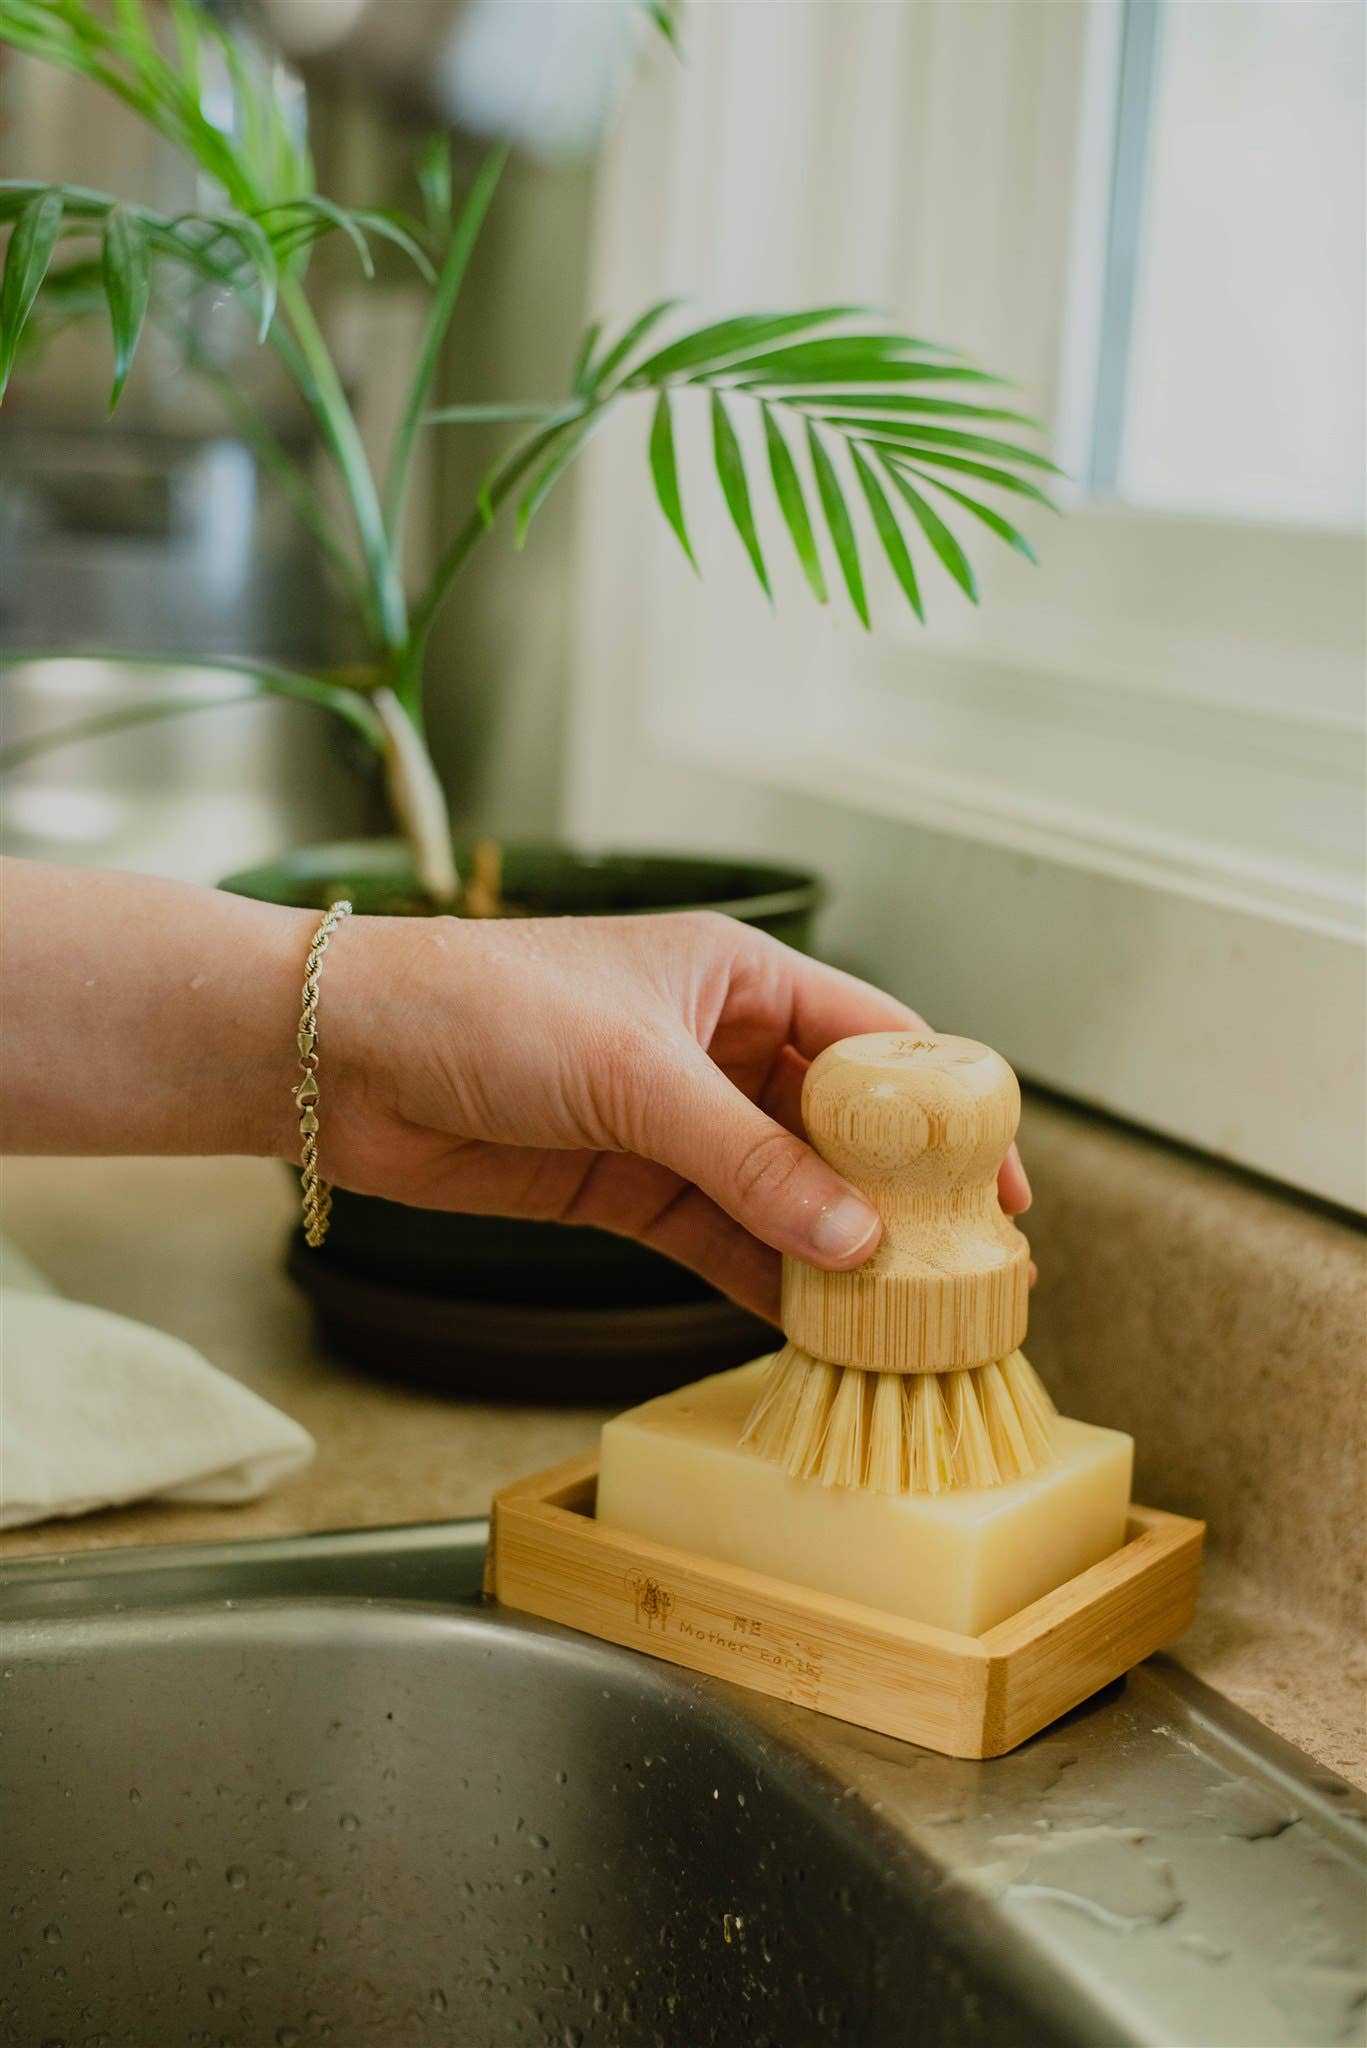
(704, 1128)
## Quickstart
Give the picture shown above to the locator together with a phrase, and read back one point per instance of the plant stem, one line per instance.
(474, 530)
(418, 801)
(329, 404)
(438, 320)
(356, 708)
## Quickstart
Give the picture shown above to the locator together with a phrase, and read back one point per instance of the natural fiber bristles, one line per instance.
(893, 1432)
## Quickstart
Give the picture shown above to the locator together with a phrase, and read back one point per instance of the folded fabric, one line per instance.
(18, 1270)
(96, 1411)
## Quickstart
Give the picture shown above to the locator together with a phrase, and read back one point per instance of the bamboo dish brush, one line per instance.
(906, 1374)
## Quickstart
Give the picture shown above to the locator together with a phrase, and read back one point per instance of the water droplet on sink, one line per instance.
(249, 1966)
(437, 2001)
(288, 2037)
(1247, 1811)
(348, 1823)
(236, 1876)
(144, 1880)
(217, 1998)
(296, 1801)
(319, 1944)
(134, 1796)
(1201, 1945)
(52, 1932)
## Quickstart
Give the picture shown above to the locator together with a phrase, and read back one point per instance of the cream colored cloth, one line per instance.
(96, 1411)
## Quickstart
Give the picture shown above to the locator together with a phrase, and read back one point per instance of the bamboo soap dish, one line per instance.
(921, 1126)
(962, 1695)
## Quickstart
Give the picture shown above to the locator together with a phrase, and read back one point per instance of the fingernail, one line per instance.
(845, 1227)
(1025, 1180)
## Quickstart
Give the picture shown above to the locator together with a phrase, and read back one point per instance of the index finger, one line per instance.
(828, 1004)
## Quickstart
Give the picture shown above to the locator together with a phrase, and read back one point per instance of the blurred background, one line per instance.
(1111, 819)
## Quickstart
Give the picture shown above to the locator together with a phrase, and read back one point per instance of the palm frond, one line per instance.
(245, 253)
(858, 399)
(250, 680)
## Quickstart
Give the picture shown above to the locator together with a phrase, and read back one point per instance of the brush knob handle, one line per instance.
(920, 1123)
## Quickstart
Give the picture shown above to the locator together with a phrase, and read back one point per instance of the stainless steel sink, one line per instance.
(279, 1793)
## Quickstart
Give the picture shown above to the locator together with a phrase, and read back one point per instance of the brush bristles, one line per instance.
(892, 1432)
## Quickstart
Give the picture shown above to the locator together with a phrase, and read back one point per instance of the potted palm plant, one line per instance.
(847, 415)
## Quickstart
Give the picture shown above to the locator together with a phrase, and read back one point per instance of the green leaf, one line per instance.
(661, 12)
(78, 285)
(322, 211)
(397, 228)
(255, 245)
(712, 345)
(793, 505)
(914, 402)
(126, 287)
(132, 20)
(254, 679)
(985, 473)
(15, 193)
(573, 440)
(820, 362)
(664, 472)
(929, 439)
(482, 412)
(32, 241)
(857, 356)
(185, 19)
(580, 379)
(730, 465)
(990, 519)
(889, 533)
(840, 524)
(434, 181)
(459, 247)
(634, 334)
(938, 534)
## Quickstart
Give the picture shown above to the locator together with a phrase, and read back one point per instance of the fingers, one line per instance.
(701, 1236)
(1013, 1186)
(707, 1131)
(829, 1004)
(781, 1095)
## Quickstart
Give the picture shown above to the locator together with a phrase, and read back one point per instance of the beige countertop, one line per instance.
(196, 1246)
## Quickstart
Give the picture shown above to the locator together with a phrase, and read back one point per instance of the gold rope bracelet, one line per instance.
(316, 1191)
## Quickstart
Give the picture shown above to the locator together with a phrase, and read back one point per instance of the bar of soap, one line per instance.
(673, 1471)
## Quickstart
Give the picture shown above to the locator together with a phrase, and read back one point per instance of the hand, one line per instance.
(643, 1074)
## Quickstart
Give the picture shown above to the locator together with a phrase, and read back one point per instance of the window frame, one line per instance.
(1076, 764)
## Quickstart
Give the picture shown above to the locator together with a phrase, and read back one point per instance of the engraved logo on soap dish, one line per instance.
(653, 1601)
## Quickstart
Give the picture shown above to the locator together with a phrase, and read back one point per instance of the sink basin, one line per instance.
(280, 1793)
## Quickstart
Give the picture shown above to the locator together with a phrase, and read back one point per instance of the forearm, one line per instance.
(139, 1015)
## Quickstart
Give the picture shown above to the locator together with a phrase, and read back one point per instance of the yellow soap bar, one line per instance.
(673, 1471)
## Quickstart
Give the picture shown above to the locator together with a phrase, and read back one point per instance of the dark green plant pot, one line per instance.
(491, 1305)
